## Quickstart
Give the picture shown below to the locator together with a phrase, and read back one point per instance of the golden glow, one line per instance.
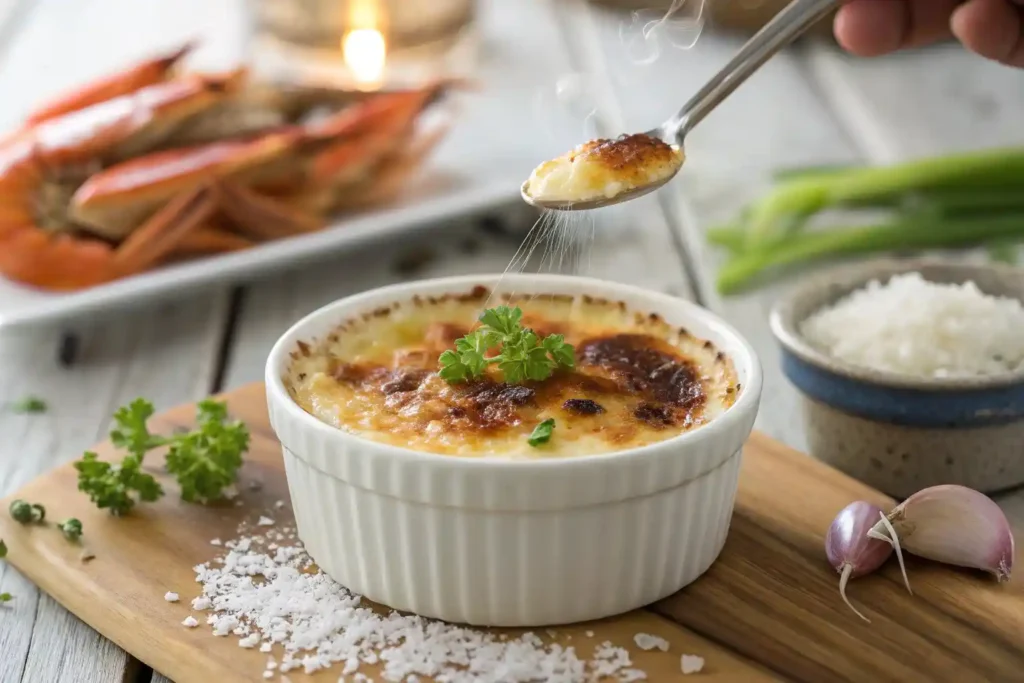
(363, 46)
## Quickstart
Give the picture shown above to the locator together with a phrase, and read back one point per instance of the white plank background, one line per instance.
(811, 105)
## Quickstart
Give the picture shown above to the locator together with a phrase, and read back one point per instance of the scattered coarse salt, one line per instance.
(265, 521)
(190, 622)
(691, 664)
(645, 641)
(278, 597)
(171, 597)
(914, 327)
(251, 640)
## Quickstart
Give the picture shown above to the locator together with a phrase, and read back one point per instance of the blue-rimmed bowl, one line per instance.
(896, 432)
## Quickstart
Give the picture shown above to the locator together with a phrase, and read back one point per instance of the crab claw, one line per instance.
(145, 73)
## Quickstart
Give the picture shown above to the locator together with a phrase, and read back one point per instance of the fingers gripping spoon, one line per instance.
(602, 173)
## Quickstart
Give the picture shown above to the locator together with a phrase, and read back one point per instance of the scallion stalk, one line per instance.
(902, 234)
(810, 193)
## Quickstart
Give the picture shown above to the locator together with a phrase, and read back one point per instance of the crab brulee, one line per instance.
(604, 169)
(531, 377)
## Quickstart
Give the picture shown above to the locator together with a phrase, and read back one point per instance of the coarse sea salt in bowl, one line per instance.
(495, 541)
(911, 372)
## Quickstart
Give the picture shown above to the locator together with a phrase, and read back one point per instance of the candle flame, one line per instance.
(363, 47)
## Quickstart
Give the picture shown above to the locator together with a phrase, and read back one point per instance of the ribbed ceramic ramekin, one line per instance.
(495, 542)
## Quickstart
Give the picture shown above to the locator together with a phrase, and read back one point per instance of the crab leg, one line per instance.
(114, 201)
(262, 218)
(210, 238)
(164, 231)
(143, 74)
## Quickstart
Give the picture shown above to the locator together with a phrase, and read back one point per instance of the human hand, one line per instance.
(991, 28)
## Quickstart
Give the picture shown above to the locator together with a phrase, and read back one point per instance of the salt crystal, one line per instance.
(279, 504)
(691, 664)
(249, 641)
(916, 327)
(646, 642)
(171, 597)
(590, 634)
(190, 622)
(268, 674)
(216, 541)
(265, 521)
(273, 595)
(266, 647)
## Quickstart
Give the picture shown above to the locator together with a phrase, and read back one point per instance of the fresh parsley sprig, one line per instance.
(523, 355)
(204, 461)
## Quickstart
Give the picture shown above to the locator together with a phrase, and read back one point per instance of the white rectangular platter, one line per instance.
(499, 136)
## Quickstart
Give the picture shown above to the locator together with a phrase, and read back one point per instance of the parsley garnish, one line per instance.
(29, 404)
(204, 461)
(4, 597)
(542, 432)
(111, 486)
(523, 355)
(71, 528)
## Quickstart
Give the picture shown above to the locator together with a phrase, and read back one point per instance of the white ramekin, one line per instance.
(510, 543)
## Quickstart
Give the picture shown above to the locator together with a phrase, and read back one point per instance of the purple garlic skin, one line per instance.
(847, 542)
(955, 525)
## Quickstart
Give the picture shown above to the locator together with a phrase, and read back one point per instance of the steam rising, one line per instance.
(648, 33)
(563, 241)
(572, 98)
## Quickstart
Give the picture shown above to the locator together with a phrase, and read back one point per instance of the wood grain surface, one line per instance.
(767, 610)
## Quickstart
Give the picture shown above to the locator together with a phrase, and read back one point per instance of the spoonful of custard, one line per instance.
(605, 172)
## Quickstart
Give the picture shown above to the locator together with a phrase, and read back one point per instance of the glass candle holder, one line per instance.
(362, 44)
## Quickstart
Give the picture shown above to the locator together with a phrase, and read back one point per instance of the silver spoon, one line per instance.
(783, 29)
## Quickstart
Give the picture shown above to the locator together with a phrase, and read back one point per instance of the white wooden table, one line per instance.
(812, 105)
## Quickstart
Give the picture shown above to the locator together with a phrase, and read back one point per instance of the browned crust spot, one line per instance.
(657, 386)
(627, 155)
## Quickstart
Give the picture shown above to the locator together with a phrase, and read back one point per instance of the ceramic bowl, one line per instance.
(898, 433)
(510, 542)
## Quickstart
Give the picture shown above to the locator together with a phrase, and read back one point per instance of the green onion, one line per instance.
(902, 234)
(811, 192)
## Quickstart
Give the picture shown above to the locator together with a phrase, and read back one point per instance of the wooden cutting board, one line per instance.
(767, 610)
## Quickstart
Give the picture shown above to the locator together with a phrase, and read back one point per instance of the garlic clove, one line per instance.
(954, 525)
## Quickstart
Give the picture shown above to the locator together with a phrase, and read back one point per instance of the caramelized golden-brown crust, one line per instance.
(605, 168)
(637, 380)
(628, 155)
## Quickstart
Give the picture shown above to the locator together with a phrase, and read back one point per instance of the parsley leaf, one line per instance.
(3, 550)
(542, 432)
(131, 432)
(523, 355)
(110, 486)
(29, 404)
(204, 461)
(6, 597)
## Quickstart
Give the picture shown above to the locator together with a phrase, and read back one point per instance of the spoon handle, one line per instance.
(784, 28)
